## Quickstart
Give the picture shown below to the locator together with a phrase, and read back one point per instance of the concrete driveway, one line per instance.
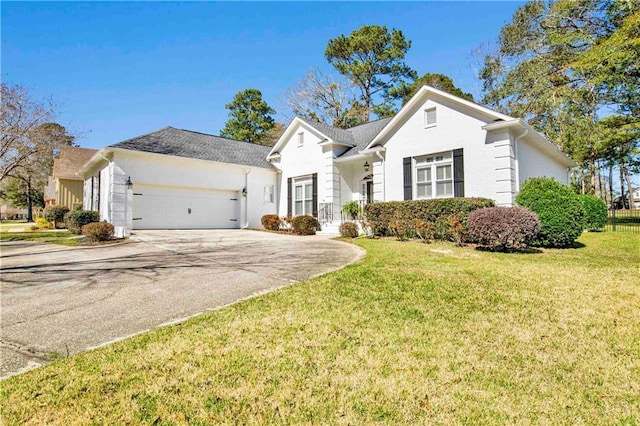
(63, 300)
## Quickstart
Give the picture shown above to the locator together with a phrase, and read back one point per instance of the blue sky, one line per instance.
(118, 70)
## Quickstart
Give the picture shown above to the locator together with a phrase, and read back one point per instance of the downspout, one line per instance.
(245, 195)
(515, 153)
(384, 178)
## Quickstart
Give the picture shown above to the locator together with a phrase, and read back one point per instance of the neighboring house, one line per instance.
(179, 179)
(437, 146)
(65, 186)
(636, 197)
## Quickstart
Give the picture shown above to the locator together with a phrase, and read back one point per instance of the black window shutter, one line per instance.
(289, 196)
(458, 173)
(314, 190)
(408, 186)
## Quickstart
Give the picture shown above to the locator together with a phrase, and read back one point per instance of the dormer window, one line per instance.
(430, 117)
(300, 139)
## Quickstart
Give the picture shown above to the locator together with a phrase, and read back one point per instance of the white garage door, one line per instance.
(164, 207)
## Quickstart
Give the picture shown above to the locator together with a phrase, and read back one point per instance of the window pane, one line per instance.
(308, 207)
(443, 172)
(424, 190)
(424, 175)
(299, 192)
(444, 189)
(298, 208)
(308, 191)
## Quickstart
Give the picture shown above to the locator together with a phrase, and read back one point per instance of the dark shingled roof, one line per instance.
(336, 134)
(364, 134)
(189, 144)
(359, 137)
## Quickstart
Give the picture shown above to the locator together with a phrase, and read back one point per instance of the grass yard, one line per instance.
(57, 237)
(413, 334)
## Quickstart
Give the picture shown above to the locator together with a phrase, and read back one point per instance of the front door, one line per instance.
(366, 191)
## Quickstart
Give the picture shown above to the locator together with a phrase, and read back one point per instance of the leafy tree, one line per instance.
(250, 118)
(439, 81)
(371, 58)
(274, 134)
(545, 70)
(23, 194)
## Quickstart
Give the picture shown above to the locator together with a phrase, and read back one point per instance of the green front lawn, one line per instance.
(413, 334)
(57, 237)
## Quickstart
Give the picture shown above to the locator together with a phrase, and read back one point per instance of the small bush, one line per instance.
(558, 208)
(305, 225)
(76, 219)
(349, 230)
(271, 222)
(97, 231)
(55, 214)
(42, 223)
(595, 212)
(504, 228)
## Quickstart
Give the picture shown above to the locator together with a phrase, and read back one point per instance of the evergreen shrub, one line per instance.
(503, 228)
(595, 212)
(76, 219)
(559, 209)
(305, 225)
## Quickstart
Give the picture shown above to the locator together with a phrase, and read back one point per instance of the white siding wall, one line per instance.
(306, 160)
(151, 169)
(454, 130)
(532, 162)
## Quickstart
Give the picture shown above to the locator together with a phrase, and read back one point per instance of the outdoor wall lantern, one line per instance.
(366, 166)
(129, 183)
(244, 192)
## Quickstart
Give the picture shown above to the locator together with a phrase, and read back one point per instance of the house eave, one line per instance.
(535, 137)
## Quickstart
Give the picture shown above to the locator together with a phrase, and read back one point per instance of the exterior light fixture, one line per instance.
(366, 166)
(244, 192)
(129, 183)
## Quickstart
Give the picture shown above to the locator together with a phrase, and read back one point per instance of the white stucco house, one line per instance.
(436, 146)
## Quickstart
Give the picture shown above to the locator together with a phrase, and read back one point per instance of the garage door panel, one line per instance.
(163, 207)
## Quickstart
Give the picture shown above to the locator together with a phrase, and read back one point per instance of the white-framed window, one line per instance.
(434, 176)
(268, 193)
(300, 139)
(430, 118)
(302, 196)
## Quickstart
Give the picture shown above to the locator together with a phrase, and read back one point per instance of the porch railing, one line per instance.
(325, 213)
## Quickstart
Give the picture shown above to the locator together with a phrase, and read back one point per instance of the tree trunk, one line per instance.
(29, 201)
(621, 168)
(630, 188)
(592, 172)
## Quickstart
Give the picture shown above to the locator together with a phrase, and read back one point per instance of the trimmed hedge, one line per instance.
(399, 218)
(55, 214)
(98, 231)
(305, 225)
(559, 209)
(349, 230)
(271, 222)
(76, 219)
(595, 212)
(503, 228)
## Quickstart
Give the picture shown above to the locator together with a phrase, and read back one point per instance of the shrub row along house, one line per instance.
(436, 146)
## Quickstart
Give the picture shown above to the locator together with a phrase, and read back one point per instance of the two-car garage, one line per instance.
(161, 207)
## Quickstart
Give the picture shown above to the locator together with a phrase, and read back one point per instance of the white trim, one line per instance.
(419, 98)
(532, 136)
